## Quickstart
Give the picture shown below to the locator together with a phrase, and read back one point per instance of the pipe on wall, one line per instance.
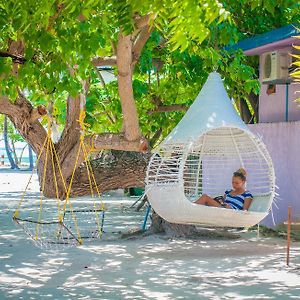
(286, 102)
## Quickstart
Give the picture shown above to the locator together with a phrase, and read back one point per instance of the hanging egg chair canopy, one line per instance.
(199, 157)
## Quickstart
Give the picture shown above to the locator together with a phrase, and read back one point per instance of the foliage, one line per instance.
(59, 35)
(258, 16)
(280, 231)
(1, 125)
(12, 132)
(296, 63)
(63, 34)
(13, 137)
(187, 42)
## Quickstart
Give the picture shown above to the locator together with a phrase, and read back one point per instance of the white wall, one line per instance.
(283, 143)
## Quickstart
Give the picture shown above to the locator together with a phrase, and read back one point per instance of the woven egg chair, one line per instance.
(199, 157)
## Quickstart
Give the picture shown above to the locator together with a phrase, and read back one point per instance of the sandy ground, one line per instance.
(145, 268)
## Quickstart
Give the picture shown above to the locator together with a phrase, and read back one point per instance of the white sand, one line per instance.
(144, 268)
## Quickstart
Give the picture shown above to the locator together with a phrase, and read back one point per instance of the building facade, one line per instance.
(279, 115)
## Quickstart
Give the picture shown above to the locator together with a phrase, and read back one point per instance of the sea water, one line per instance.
(25, 156)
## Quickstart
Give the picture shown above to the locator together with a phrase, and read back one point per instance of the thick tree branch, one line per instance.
(142, 21)
(155, 137)
(141, 35)
(168, 108)
(70, 138)
(16, 48)
(120, 169)
(37, 113)
(139, 43)
(6, 107)
(52, 19)
(16, 58)
(73, 111)
(124, 64)
(253, 99)
(25, 119)
(101, 142)
(104, 61)
(69, 143)
(72, 128)
(116, 141)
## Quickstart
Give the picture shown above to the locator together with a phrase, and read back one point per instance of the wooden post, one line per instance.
(288, 236)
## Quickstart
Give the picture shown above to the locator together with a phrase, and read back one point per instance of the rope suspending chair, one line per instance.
(67, 225)
(199, 157)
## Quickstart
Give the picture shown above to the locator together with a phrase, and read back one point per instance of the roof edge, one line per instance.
(265, 38)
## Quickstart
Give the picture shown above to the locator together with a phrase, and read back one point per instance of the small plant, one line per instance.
(279, 231)
(296, 63)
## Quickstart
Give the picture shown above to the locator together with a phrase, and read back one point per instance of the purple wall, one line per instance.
(283, 143)
(272, 108)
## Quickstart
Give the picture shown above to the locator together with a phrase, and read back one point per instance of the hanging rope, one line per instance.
(91, 177)
(49, 148)
(50, 155)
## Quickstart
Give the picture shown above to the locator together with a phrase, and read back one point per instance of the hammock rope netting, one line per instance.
(66, 225)
(199, 157)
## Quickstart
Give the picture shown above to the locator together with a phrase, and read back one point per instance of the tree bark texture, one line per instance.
(159, 225)
(254, 100)
(172, 230)
(119, 169)
(124, 65)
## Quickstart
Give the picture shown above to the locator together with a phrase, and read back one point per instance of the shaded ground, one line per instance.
(144, 268)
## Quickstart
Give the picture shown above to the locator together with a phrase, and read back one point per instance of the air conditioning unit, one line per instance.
(275, 67)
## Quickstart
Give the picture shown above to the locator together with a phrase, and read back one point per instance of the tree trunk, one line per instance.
(245, 112)
(171, 230)
(66, 152)
(254, 101)
(51, 183)
(124, 65)
(159, 225)
(120, 169)
(15, 156)
(13, 165)
(21, 155)
(30, 155)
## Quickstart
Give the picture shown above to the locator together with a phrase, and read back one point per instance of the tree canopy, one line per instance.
(160, 53)
(185, 44)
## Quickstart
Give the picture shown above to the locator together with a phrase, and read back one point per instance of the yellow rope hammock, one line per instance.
(70, 226)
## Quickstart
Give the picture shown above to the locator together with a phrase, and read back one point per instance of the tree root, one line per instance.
(171, 230)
